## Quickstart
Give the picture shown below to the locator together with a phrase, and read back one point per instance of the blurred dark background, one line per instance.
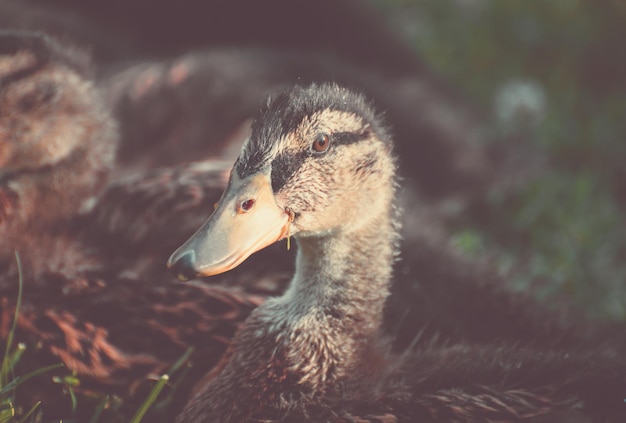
(554, 71)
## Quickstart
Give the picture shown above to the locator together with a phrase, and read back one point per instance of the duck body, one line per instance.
(318, 166)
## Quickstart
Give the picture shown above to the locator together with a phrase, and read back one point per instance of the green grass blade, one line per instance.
(29, 412)
(15, 356)
(164, 403)
(73, 399)
(174, 387)
(7, 415)
(9, 387)
(99, 410)
(181, 361)
(21, 379)
(154, 393)
(6, 365)
(40, 371)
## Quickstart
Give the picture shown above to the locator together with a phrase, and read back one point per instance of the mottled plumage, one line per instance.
(318, 353)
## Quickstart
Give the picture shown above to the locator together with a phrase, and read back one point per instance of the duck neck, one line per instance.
(342, 279)
(332, 312)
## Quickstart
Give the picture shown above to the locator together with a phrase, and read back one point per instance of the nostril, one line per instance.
(183, 267)
(246, 205)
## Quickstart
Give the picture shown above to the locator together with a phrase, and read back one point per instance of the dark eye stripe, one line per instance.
(344, 138)
(285, 166)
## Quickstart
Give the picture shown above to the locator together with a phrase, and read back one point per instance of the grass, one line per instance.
(10, 383)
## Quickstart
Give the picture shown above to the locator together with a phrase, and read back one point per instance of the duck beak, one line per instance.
(246, 220)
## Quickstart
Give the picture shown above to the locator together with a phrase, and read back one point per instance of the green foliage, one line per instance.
(573, 238)
(8, 382)
(470, 241)
(564, 232)
(151, 400)
(156, 407)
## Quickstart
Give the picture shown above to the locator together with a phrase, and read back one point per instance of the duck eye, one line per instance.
(246, 205)
(321, 143)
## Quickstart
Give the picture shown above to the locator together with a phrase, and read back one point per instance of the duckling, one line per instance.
(318, 166)
(57, 143)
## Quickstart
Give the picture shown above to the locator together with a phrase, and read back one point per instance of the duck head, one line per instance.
(42, 97)
(314, 164)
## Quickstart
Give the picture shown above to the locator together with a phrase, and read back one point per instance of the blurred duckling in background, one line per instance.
(57, 142)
